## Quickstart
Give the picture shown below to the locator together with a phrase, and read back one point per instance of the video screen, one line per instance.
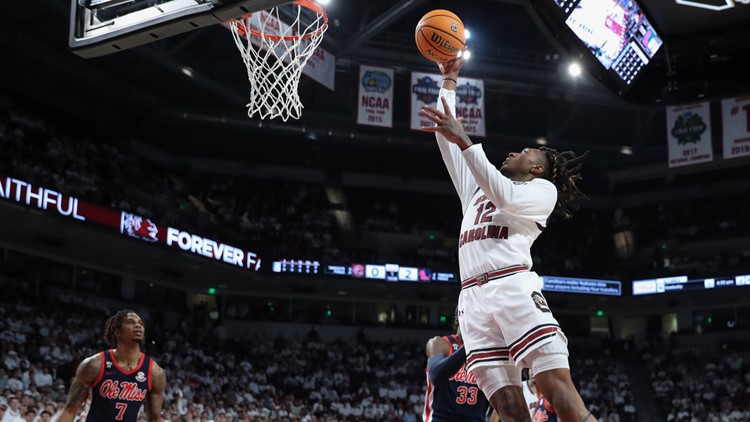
(617, 33)
(566, 5)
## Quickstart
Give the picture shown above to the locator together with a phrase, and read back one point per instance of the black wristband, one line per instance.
(450, 79)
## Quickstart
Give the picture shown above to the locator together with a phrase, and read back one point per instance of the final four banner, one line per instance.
(425, 88)
(375, 96)
(689, 134)
(736, 120)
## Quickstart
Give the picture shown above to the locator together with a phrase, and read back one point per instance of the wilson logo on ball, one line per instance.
(442, 42)
(440, 36)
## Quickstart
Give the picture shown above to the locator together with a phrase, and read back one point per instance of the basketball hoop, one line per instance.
(275, 54)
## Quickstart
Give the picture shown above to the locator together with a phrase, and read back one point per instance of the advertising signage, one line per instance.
(125, 223)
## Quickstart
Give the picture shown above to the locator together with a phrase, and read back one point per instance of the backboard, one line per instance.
(100, 27)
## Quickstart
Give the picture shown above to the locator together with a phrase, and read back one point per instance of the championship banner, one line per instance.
(470, 105)
(375, 102)
(689, 134)
(321, 67)
(425, 88)
(735, 115)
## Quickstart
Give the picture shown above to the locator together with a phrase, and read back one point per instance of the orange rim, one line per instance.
(315, 7)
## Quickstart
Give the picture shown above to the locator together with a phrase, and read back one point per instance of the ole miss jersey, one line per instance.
(530, 397)
(117, 395)
(544, 412)
(458, 399)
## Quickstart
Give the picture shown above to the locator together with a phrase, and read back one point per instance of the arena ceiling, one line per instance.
(144, 92)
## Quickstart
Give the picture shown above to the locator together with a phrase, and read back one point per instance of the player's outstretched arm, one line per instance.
(454, 162)
(531, 201)
(155, 398)
(86, 374)
(446, 125)
(441, 363)
(437, 346)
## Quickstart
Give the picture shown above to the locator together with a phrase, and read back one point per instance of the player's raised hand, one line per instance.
(451, 68)
(446, 124)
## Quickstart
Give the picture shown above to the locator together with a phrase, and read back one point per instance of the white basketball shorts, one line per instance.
(503, 319)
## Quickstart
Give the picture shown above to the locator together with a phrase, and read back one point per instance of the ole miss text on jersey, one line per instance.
(457, 399)
(117, 394)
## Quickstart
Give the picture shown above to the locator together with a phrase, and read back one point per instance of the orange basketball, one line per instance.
(440, 35)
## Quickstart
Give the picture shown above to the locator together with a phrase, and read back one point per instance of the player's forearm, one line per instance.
(67, 415)
(153, 408)
(76, 396)
(441, 367)
(451, 153)
(450, 80)
(153, 413)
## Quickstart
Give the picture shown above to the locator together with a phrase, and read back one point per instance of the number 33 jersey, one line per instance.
(458, 399)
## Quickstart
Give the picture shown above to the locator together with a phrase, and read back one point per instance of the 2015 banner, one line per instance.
(689, 134)
(375, 102)
(425, 88)
(735, 114)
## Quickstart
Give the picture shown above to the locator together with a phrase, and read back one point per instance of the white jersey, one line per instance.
(502, 218)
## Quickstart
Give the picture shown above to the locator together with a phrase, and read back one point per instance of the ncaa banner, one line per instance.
(689, 134)
(470, 105)
(375, 104)
(320, 67)
(425, 88)
(735, 115)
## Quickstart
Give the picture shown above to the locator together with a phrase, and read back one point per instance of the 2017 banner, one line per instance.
(689, 134)
(735, 115)
(425, 88)
(375, 102)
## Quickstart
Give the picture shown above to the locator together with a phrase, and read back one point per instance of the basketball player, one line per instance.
(452, 393)
(543, 412)
(504, 318)
(530, 394)
(120, 379)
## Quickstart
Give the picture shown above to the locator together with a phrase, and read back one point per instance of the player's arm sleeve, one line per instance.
(461, 177)
(534, 201)
(441, 367)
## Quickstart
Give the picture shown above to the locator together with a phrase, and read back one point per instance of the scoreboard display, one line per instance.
(617, 33)
(613, 40)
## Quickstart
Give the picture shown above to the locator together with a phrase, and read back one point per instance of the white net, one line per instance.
(275, 54)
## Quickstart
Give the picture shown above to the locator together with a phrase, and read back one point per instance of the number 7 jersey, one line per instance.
(117, 394)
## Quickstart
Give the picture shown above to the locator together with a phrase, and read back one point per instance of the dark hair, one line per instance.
(563, 170)
(115, 323)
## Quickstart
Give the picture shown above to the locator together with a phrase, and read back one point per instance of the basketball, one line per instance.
(440, 35)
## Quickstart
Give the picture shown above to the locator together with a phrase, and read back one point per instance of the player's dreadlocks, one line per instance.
(115, 323)
(563, 170)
